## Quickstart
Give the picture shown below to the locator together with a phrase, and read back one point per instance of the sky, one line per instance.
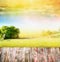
(30, 25)
(33, 15)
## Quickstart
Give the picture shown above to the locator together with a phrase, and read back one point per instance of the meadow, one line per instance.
(33, 42)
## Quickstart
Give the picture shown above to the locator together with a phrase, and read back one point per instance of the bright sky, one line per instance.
(34, 15)
(31, 25)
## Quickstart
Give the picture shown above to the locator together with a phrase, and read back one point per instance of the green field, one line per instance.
(37, 42)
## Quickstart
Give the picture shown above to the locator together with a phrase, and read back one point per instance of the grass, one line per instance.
(37, 42)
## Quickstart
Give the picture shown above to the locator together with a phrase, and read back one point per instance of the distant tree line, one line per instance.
(9, 32)
(49, 32)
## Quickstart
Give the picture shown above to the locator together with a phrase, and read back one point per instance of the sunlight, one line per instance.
(45, 7)
(19, 3)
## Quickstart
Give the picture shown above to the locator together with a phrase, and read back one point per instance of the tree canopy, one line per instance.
(10, 32)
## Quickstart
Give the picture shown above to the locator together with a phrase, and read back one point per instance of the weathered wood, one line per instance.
(30, 55)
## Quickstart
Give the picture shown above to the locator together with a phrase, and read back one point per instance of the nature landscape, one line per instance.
(29, 30)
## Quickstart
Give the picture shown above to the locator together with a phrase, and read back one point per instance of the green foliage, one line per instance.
(10, 32)
(4, 29)
(48, 33)
(0, 34)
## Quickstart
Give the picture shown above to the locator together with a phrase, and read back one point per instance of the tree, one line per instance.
(4, 29)
(10, 32)
(47, 33)
(0, 34)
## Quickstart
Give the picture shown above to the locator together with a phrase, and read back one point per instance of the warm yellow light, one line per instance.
(19, 3)
(43, 6)
(38, 42)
